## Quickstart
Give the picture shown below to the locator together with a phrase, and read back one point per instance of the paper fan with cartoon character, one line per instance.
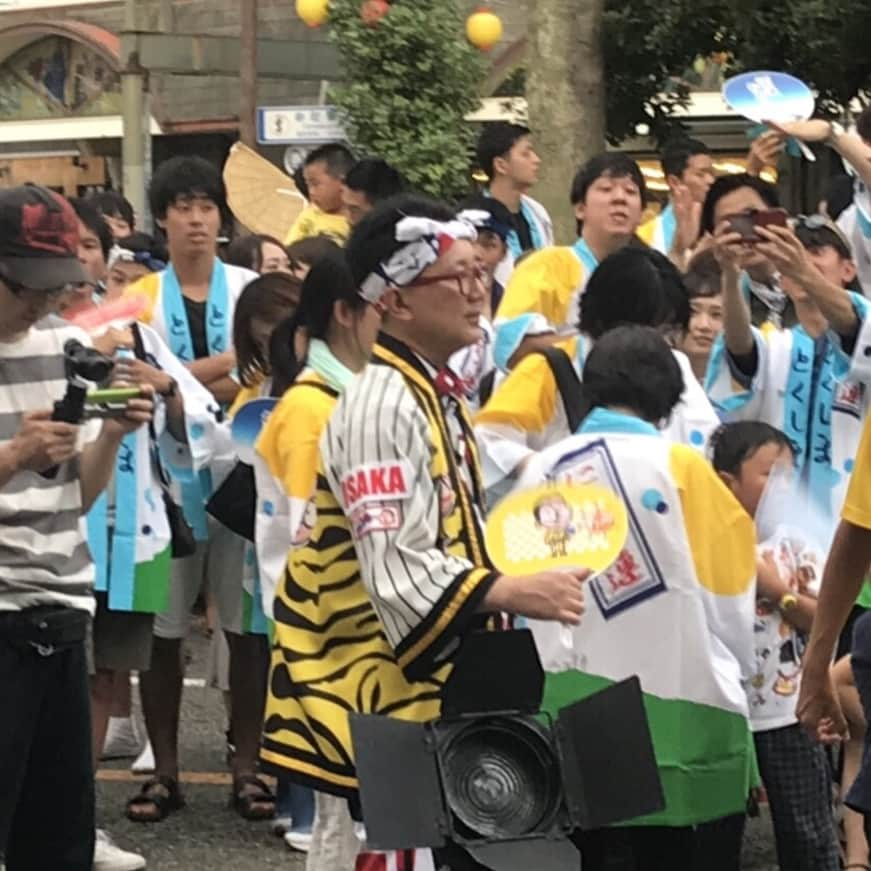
(557, 526)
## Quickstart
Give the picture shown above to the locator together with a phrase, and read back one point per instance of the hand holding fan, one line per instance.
(771, 98)
(557, 526)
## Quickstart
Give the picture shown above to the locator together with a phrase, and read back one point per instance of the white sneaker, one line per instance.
(299, 841)
(280, 826)
(122, 739)
(108, 856)
(144, 763)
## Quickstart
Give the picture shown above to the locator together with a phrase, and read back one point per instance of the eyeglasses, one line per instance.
(466, 280)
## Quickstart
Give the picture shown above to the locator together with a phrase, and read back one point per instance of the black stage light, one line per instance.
(495, 769)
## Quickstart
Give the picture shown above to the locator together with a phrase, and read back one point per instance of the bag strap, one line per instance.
(316, 385)
(485, 388)
(567, 382)
(140, 354)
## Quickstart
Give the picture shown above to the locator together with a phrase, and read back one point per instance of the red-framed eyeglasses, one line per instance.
(465, 279)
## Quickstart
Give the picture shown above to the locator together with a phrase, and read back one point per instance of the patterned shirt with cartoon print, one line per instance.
(772, 690)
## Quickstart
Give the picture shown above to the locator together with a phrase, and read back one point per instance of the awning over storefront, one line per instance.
(59, 129)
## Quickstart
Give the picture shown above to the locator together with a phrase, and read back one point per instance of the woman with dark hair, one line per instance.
(314, 355)
(675, 608)
(259, 252)
(264, 304)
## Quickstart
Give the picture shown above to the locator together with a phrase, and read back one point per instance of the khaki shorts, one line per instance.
(216, 566)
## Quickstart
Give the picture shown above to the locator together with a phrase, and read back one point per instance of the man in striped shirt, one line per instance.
(50, 473)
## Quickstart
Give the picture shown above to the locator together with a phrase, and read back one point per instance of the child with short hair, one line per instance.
(794, 768)
(324, 172)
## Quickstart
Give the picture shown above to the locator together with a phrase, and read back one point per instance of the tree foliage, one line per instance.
(407, 85)
(648, 44)
(823, 42)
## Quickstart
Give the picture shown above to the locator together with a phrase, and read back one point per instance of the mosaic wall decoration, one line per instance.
(57, 78)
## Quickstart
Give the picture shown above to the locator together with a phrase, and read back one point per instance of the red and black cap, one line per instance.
(39, 237)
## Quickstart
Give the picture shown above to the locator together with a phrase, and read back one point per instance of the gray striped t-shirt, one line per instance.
(44, 559)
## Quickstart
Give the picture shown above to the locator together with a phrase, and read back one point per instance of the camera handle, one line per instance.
(71, 408)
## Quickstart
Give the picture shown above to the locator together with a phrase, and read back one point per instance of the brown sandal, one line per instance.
(163, 805)
(249, 805)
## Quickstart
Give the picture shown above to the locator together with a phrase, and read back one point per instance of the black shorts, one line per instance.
(120, 640)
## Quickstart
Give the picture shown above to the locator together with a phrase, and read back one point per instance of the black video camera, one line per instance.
(496, 775)
(82, 367)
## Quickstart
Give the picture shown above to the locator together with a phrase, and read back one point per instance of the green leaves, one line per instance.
(408, 84)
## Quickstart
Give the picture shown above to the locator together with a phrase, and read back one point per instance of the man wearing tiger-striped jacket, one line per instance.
(394, 573)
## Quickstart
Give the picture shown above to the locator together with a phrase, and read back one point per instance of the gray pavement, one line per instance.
(207, 835)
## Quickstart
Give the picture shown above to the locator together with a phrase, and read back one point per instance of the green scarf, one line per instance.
(328, 366)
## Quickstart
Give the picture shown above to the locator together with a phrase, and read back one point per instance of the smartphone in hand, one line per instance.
(745, 223)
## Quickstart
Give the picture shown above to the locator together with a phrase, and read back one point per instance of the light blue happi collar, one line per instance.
(513, 240)
(668, 222)
(218, 324)
(328, 366)
(586, 256)
(605, 420)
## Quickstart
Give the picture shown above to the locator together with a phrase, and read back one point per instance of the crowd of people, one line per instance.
(423, 360)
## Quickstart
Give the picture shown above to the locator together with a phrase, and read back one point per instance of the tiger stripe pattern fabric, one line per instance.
(331, 655)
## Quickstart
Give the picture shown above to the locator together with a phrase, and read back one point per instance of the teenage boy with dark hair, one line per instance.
(805, 380)
(689, 173)
(541, 299)
(50, 474)
(324, 172)
(192, 304)
(506, 154)
(95, 242)
(367, 183)
(732, 195)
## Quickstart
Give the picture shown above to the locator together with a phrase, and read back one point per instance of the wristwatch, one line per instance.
(171, 390)
(787, 602)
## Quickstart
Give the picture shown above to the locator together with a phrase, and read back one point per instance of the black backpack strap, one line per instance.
(567, 382)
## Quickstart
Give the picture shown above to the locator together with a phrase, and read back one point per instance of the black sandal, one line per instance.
(246, 804)
(163, 805)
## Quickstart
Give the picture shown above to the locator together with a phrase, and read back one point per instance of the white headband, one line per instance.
(427, 240)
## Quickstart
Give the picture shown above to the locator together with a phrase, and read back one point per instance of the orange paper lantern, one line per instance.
(372, 11)
(484, 28)
(313, 12)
